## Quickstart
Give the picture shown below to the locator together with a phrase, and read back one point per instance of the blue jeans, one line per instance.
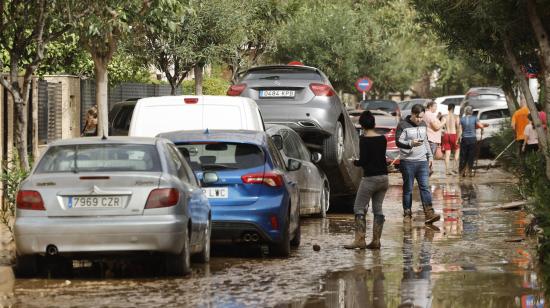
(419, 170)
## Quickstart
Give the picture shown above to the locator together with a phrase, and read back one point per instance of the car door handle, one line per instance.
(292, 183)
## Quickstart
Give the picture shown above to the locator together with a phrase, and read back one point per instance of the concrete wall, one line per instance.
(70, 104)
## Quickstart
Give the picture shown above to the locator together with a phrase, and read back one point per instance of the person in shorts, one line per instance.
(531, 140)
(449, 141)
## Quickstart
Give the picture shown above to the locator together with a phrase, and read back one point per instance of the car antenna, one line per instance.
(206, 131)
(104, 137)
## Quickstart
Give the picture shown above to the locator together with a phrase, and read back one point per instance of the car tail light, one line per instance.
(236, 89)
(191, 100)
(472, 94)
(274, 222)
(162, 197)
(320, 89)
(270, 179)
(296, 63)
(30, 200)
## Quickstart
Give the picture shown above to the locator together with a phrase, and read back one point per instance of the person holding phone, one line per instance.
(416, 163)
(374, 184)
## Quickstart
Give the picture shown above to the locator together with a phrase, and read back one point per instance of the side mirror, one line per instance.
(293, 164)
(278, 141)
(316, 157)
(209, 177)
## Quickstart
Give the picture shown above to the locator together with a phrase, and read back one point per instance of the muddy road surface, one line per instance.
(476, 256)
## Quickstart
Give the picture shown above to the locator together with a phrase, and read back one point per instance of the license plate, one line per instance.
(277, 93)
(95, 202)
(216, 192)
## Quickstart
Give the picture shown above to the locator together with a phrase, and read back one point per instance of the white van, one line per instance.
(154, 115)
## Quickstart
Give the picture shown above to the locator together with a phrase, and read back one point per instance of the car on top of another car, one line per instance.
(302, 98)
(90, 197)
(253, 197)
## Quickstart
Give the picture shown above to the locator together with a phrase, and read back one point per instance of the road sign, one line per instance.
(363, 84)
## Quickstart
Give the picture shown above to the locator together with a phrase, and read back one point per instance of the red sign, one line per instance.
(363, 84)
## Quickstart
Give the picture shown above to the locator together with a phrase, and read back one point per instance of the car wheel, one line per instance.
(26, 266)
(333, 146)
(204, 255)
(282, 249)
(324, 200)
(297, 235)
(180, 264)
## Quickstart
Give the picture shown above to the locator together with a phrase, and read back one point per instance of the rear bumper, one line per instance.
(162, 233)
(230, 223)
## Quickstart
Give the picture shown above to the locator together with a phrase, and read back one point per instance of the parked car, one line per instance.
(302, 98)
(387, 125)
(254, 198)
(496, 117)
(154, 115)
(120, 116)
(483, 97)
(443, 103)
(90, 196)
(382, 104)
(407, 105)
(313, 185)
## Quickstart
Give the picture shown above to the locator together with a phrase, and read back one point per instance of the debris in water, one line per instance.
(316, 247)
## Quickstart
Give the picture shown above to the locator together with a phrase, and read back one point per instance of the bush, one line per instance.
(11, 177)
(210, 86)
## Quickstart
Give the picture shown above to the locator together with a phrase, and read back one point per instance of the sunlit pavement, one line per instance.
(476, 256)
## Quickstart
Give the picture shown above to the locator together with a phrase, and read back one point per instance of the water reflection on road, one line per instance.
(474, 257)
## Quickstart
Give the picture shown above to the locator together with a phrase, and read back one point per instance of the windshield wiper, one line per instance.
(275, 77)
(216, 166)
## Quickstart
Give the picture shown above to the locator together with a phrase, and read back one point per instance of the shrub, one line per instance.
(210, 86)
(11, 177)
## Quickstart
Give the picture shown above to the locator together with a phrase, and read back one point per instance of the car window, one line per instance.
(123, 117)
(490, 115)
(303, 152)
(455, 101)
(204, 156)
(505, 113)
(290, 147)
(278, 161)
(380, 105)
(183, 170)
(283, 73)
(100, 158)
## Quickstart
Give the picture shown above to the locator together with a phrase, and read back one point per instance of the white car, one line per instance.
(155, 115)
(443, 103)
(495, 117)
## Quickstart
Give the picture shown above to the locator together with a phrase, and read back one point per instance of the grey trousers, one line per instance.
(371, 187)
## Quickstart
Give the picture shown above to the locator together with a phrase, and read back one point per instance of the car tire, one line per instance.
(297, 235)
(324, 200)
(333, 146)
(180, 264)
(204, 255)
(26, 266)
(282, 248)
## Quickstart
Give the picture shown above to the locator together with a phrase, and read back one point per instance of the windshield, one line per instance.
(379, 105)
(221, 155)
(100, 158)
(282, 73)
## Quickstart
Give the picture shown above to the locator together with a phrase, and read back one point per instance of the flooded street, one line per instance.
(476, 256)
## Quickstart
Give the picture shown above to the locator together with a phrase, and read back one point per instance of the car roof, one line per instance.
(108, 140)
(443, 98)
(240, 136)
(206, 99)
(483, 109)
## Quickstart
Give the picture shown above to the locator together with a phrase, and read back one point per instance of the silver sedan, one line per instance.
(90, 196)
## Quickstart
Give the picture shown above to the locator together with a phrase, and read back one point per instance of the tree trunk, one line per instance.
(102, 99)
(510, 98)
(198, 79)
(544, 56)
(524, 86)
(20, 138)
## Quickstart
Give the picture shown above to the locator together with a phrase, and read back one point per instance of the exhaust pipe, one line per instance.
(255, 237)
(51, 250)
(247, 237)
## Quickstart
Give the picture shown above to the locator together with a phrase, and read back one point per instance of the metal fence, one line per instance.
(118, 93)
(49, 111)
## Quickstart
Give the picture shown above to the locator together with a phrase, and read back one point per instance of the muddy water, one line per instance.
(475, 257)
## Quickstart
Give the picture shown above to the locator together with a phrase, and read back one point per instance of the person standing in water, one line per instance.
(449, 141)
(374, 184)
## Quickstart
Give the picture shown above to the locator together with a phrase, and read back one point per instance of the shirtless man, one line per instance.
(449, 142)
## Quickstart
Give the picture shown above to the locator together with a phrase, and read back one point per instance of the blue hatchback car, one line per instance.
(253, 198)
